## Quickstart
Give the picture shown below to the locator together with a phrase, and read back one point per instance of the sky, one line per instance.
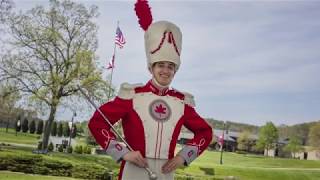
(244, 61)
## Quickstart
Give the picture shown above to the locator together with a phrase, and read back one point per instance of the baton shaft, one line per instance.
(104, 117)
(111, 126)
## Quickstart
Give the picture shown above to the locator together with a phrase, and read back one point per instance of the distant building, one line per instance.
(61, 141)
(278, 150)
(230, 139)
(309, 154)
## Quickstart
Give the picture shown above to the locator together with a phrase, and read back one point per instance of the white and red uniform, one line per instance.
(151, 121)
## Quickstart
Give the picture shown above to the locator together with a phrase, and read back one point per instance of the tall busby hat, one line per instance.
(162, 39)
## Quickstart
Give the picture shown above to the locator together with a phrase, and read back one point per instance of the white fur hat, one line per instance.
(163, 42)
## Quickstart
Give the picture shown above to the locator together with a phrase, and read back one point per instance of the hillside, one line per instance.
(233, 126)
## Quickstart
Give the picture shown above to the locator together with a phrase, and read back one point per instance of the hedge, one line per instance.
(34, 164)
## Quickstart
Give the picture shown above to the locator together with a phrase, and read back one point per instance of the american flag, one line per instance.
(120, 41)
(111, 63)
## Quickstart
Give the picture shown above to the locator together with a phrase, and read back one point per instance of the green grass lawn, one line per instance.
(243, 167)
(21, 138)
(64, 157)
(253, 167)
(7, 175)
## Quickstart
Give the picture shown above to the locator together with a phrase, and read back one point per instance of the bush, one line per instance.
(78, 149)
(60, 148)
(35, 164)
(86, 150)
(58, 168)
(21, 163)
(241, 152)
(40, 145)
(50, 147)
(69, 149)
(90, 171)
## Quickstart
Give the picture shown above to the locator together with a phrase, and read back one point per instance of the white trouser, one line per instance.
(133, 172)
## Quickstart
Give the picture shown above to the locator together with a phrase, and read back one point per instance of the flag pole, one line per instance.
(222, 142)
(113, 64)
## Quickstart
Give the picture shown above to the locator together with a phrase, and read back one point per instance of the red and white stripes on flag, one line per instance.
(111, 63)
(119, 40)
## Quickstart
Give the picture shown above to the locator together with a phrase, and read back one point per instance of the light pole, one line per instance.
(71, 127)
(221, 142)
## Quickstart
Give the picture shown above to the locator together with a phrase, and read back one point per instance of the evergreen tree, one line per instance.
(60, 129)
(40, 127)
(24, 126)
(54, 128)
(74, 131)
(66, 129)
(32, 127)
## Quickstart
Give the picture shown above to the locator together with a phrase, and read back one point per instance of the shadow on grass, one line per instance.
(207, 171)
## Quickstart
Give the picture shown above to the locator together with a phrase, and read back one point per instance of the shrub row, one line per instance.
(82, 149)
(35, 164)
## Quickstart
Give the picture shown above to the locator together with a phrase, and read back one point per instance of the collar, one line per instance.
(157, 88)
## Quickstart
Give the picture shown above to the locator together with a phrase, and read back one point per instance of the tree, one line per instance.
(74, 131)
(54, 129)
(268, 136)
(89, 138)
(301, 131)
(9, 96)
(53, 50)
(24, 126)
(244, 141)
(66, 129)
(60, 129)
(294, 146)
(5, 8)
(32, 127)
(314, 136)
(40, 127)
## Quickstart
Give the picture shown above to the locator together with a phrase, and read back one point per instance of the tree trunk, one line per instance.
(47, 130)
(267, 151)
(7, 127)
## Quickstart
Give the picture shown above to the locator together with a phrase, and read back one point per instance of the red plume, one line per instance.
(143, 11)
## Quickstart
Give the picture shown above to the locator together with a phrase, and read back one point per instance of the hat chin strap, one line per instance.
(158, 85)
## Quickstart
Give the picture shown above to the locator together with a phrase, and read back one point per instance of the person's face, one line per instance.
(163, 72)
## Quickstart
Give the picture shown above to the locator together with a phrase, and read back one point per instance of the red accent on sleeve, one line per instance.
(114, 111)
(201, 129)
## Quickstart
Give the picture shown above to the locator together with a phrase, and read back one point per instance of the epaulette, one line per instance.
(127, 90)
(188, 98)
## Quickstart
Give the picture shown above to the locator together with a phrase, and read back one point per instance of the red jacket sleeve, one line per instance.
(201, 129)
(114, 111)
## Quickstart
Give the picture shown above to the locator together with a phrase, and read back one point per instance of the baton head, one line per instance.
(153, 176)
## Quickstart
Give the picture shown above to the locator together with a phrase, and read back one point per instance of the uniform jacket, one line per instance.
(151, 121)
